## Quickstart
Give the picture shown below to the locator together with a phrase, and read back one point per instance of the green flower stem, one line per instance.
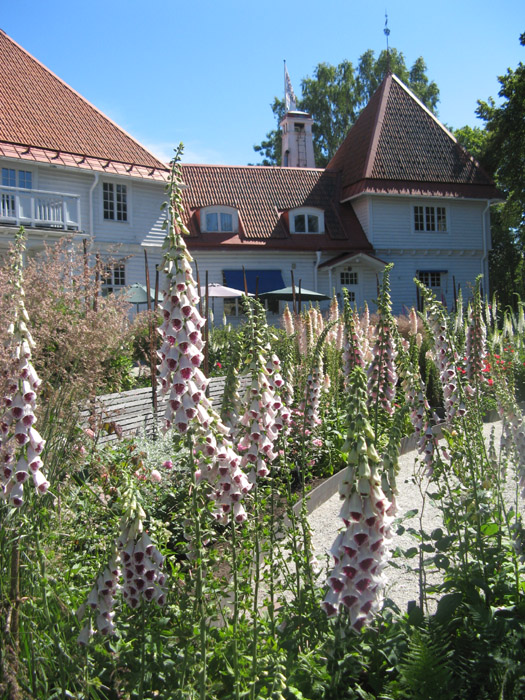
(257, 556)
(235, 609)
(199, 578)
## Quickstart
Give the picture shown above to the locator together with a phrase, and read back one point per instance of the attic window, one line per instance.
(307, 221)
(219, 220)
(428, 219)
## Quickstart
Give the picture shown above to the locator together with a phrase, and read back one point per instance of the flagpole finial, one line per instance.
(290, 99)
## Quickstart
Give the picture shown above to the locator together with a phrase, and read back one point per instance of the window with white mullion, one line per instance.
(115, 201)
(429, 219)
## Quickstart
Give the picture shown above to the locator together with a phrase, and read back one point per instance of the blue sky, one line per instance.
(205, 72)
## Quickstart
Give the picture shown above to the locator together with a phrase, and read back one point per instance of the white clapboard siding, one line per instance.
(393, 224)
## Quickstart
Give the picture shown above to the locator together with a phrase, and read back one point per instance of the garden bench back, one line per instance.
(129, 412)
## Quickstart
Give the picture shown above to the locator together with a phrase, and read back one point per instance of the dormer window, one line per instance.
(307, 221)
(219, 220)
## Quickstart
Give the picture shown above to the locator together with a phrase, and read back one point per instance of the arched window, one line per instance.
(219, 219)
(307, 220)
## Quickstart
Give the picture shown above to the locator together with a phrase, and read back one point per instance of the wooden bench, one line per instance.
(130, 412)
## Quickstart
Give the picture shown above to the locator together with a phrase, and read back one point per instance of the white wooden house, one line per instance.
(399, 189)
(68, 170)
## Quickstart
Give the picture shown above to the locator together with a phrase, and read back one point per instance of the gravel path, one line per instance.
(402, 584)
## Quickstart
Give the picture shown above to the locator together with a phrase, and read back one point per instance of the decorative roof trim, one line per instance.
(376, 263)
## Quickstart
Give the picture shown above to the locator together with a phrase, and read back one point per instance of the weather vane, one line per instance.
(386, 31)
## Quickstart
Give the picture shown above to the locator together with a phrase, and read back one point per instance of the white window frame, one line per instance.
(432, 276)
(114, 184)
(352, 277)
(219, 210)
(113, 277)
(429, 213)
(306, 212)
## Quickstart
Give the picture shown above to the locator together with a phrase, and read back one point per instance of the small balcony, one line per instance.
(39, 209)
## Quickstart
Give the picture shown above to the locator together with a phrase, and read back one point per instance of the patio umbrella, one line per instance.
(219, 290)
(286, 294)
(137, 294)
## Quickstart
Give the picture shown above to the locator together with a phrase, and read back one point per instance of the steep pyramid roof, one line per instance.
(397, 146)
(42, 118)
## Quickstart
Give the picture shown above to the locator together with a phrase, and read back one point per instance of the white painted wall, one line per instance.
(393, 224)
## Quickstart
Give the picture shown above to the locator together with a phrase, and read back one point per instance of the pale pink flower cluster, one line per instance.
(475, 350)
(314, 387)
(20, 443)
(264, 417)
(288, 322)
(360, 551)
(100, 601)
(352, 347)
(142, 564)
(513, 436)
(419, 417)
(443, 357)
(382, 373)
(181, 350)
(181, 376)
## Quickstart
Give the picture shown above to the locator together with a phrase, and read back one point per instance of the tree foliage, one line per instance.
(500, 148)
(335, 96)
(505, 149)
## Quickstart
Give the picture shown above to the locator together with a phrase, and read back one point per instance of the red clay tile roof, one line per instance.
(262, 197)
(397, 146)
(40, 111)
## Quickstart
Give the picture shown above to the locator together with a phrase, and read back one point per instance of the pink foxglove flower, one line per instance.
(443, 355)
(382, 373)
(360, 551)
(475, 350)
(20, 442)
(263, 418)
(181, 356)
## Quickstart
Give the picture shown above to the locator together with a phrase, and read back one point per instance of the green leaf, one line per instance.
(490, 529)
(447, 606)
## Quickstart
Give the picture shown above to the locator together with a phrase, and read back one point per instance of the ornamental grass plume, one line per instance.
(20, 443)
(360, 550)
(181, 354)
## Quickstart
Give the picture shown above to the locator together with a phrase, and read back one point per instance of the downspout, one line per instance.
(484, 263)
(316, 267)
(91, 190)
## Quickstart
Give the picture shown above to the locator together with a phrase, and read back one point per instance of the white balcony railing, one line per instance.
(39, 208)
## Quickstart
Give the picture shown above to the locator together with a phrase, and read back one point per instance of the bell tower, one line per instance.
(298, 144)
(296, 127)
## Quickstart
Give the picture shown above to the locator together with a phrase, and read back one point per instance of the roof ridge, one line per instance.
(253, 167)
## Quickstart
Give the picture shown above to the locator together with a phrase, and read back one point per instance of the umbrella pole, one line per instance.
(152, 362)
(299, 300)
(206, 329)
(294, 304)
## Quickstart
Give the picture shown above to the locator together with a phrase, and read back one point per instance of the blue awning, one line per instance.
(268, 280)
